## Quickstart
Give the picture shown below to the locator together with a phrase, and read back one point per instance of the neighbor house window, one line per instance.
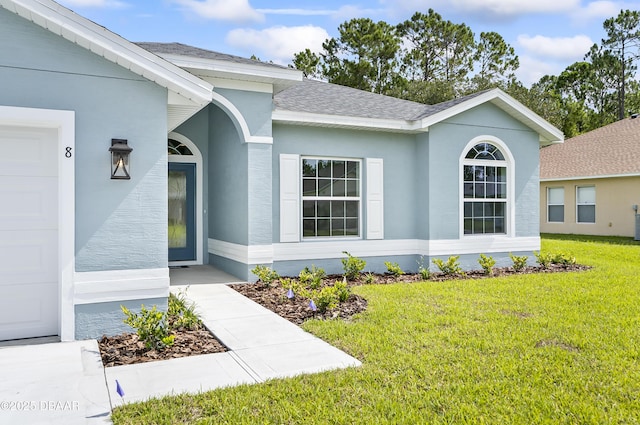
(555, 204)
(586, 204)
(485, 190)
(330, 197)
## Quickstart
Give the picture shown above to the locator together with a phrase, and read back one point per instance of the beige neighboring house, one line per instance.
(590, 184)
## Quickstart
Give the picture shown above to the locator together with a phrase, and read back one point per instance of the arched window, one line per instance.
(177, 148)
(485, 191)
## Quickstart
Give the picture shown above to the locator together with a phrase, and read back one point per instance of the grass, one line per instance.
(531, 349)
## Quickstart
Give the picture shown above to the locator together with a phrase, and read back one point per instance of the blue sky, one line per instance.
(547, 35)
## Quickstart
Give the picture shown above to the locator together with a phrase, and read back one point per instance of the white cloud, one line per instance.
(278, 43)
(599, 11)
(106, 4)
(567, 49)
(223, 10)
(343, 13)
(532, 69)
(495, 8)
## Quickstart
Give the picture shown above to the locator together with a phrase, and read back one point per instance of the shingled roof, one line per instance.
(318, 97)
(612, 150)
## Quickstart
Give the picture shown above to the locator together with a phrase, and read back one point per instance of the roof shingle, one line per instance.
(607, 151)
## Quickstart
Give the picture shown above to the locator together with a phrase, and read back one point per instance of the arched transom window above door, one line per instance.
(178, 148)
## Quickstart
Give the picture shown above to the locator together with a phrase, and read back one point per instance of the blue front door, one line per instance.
(182, 211)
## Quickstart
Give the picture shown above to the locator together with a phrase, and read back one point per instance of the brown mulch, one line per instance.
(126, 349)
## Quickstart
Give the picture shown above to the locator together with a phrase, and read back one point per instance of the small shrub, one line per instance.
(369, 278)
(151, 326)
(312, 278)
(393, 268)
(544, 260)
(423, 271)
(352, 266)
(181, 313)
(564, 259)
(487, 263)
(325, 298)
(519, 262)
(342, 289)
(265, 274)
(450, 267)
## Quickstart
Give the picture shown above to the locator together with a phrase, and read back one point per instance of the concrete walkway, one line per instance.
(263, 346)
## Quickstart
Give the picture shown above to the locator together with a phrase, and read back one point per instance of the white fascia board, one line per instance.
(73, 27)
(605, 176)
(342, 121)
(548, 133)
(234, 70)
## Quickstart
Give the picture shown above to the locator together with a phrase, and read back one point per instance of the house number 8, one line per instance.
(67, 152)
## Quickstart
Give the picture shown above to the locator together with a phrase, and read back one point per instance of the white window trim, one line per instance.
(509, 162)
(577, 204)
(191, 159)
(549, 204)
(331, 198)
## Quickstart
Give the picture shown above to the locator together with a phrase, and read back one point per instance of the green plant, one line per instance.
(181, 313)
(265, 274)
(423, 271)
(151, 326)
(312, 278)
(449, 267)
(352, 266)
(325, 298)
(342, 289)
(564, 258)
(393, 268)
(519, 262)
(487, 263)
(369, 278)
(544, 260)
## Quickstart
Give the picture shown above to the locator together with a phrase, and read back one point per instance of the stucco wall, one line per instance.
(615, 198)
(120, 224)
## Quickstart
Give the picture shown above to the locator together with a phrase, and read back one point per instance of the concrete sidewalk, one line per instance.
(65, 383)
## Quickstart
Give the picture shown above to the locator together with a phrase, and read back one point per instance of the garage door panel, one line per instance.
(25, 257)
(29, 285)
(28, 151)
(29, 203)
(25, 316)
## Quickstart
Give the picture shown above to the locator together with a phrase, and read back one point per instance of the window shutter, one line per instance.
(289, 198)
(375, 199)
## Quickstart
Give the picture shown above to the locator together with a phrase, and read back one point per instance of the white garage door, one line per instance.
(28, 232)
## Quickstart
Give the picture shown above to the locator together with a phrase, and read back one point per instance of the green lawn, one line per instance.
(531, 349)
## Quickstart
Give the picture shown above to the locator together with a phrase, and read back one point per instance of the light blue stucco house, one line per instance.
(247, 162)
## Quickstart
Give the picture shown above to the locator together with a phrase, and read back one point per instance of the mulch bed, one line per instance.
(126, 349)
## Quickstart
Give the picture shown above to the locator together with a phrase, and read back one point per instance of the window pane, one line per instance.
(352, 208)
(501, 190)
(337, 208)
(488, 225)
(502, 174)
(352, 170)
(489, 209)
(352, 188)
(556, 213)
(339, 188)
(324, 227)
(586, 213)
(352, 227)
(499, 225)
(324, 168)
(587, 195)
(308, 228)
(479, 174)
(499, 209)
(490, 190)
(478, 225)
(309, 209)
(468, 226)
(337, 227)
(555, 195)
(324, 208)
(339, 169)
(491, 174)
(468, 190)
(479, 190)
(468, 173)
(309, 167)
(468, 209)
(324, 187)
(478, 209)
(309, 187)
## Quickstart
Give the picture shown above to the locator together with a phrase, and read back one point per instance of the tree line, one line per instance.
(428, 59)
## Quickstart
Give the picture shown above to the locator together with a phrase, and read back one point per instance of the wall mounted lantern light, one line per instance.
(120, 159)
